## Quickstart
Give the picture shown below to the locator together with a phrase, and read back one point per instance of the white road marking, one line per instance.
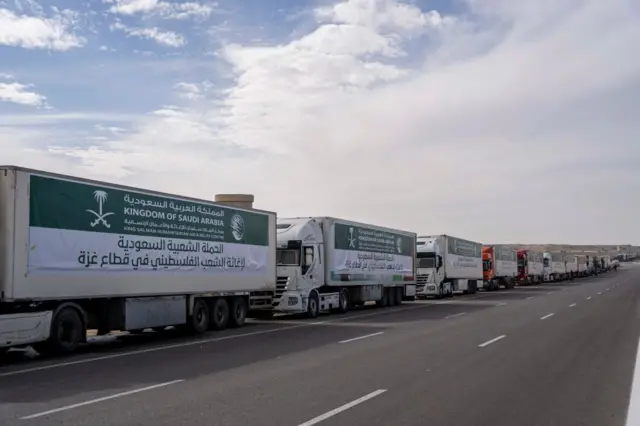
(599, 293)
(607, 289)
(366, 336)
(501, 304)
(588, 298)
(488, 342)
(220, 339)
(549, 292)
(105, 398)
(572, 305)
(546, 316)
(455, 315)
(530, 297)
(342, 408)
(633, 412)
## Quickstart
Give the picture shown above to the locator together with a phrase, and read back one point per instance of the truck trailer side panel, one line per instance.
(463, 259)
(75, 238)
(506, 262)
(535, 263)
(360, 254)
(557, 263)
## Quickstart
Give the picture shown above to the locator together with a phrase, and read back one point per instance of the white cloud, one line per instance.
(497, 136)
(382, 15)
(17, 93)
(165, 38)
(189, 91)
(167, 10)
(37, 32)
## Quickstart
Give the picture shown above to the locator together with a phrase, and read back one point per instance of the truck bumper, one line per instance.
(427, 290)
(291, 302)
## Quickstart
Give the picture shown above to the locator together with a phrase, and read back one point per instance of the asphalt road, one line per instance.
(556, 354)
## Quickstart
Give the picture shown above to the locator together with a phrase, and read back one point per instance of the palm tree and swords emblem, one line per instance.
(101, 198)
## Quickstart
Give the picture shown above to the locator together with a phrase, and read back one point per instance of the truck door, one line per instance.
(310, 265)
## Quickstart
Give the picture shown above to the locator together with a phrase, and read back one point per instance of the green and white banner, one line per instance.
(365, 253)
(80, 227)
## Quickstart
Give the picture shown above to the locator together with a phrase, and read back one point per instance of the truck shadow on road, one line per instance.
(88, 380)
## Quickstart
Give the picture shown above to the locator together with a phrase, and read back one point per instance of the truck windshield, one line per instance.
(287, 257)
(545, 262)
(521, 262)
(486, 265)
(426, 260)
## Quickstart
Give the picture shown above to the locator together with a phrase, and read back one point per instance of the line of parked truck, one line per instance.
(78, 255)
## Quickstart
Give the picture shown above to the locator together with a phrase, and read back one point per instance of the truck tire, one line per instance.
(199, 319)
(384, 301)
(67, 332)
(219, 314)
(237, 312)
(343, 304)
(473, 287)
(391, 296)
(399, 295)
(313, 305)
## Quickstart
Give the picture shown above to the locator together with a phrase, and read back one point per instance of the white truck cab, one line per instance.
(299, 268)
(430, 276)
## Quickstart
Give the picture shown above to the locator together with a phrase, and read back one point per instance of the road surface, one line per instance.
(557, 354)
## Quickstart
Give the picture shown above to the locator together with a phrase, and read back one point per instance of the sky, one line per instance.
(491, 120)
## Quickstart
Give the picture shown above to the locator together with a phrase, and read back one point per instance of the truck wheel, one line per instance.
(67, 331)
(344, 301)
(473, 286)
(450, 292)
(313, 305)
(391, 296)
(399, 292)
(219, 314)
(238, 312)
(199, 319)
(384, 301)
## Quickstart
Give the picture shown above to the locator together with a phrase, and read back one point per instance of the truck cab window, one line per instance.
(308, 256)
(486, 265)
(307, 259)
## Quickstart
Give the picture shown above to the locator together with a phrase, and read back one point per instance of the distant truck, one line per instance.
(530, 267)
(571, 266)
(581, 261)
(594, 265)
(447, 264)
(554, 268)
(500, 267)
(77, 254)
(325, 264)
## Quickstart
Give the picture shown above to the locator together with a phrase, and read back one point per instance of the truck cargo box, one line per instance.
(66, 238)
(363, 254)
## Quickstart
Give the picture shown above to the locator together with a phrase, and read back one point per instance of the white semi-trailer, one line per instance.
(571, 266)
(554, 268)
(326, 264)
(447, 264)
(581, 260)
(77, 254)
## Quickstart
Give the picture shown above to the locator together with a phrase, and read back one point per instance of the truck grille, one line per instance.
(281, 287)
(421, 282)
